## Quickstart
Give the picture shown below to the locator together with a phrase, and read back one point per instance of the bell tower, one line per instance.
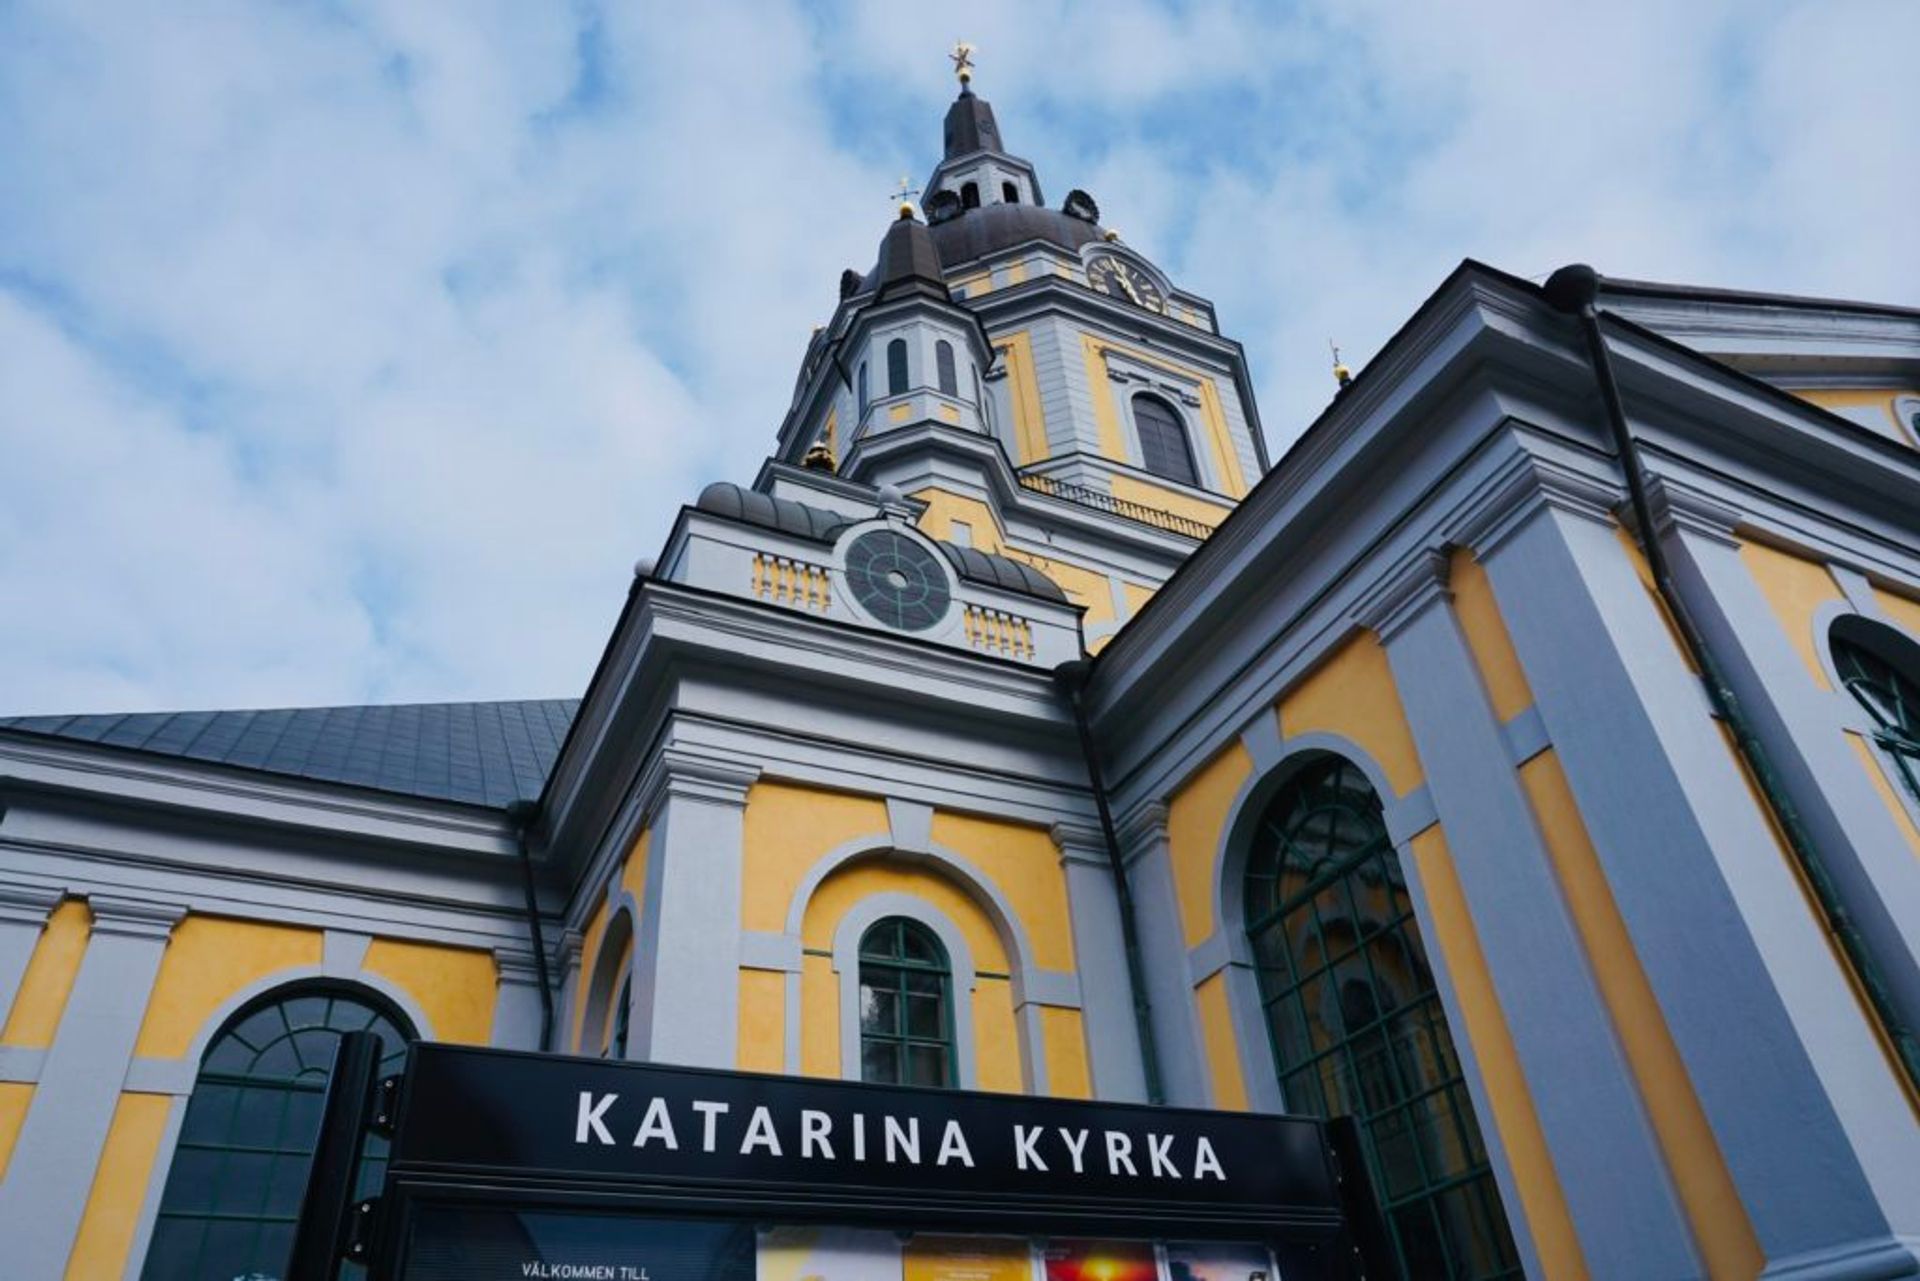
(1029, 384)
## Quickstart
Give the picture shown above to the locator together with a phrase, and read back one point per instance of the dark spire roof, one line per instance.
(476, 753)
(970, 126)
(908, 260)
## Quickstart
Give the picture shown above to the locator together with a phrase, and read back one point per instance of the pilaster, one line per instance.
(1181, 1052)
(686, 991)
(1100, 960)
(23, 916)
(1605, 1152)
(55, 1157)
(1799, 1100)
(516, 1001)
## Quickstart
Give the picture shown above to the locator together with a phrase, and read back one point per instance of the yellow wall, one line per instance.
(1223, 1047)
(208, 959)
(1486, 636)
(1543, 1201)
(1024, 866)
(454, 986)
(1127, 489)
(119, 1190)
(583, 981)
(1795, 588)
(1064, 1033)
(14, 1098)
(49, 976)
(763, 1021)
(1352, 694)
(944, 507)
(1023, 392)
(1196, 819)
(787, 829)
(1699, 1170)
(1903, 610)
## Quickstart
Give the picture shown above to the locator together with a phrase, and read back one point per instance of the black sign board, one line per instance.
(493, 1141)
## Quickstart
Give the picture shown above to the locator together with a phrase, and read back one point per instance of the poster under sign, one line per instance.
(482, 1244)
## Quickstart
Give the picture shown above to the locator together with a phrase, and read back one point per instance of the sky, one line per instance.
(354, 351)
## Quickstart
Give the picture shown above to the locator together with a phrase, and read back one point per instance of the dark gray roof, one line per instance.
(970, 126)
(478, 753)
(991, 228)
(815, 524)
(908, 261)
(1002, 572)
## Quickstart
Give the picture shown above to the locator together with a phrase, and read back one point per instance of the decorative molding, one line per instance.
(1208, 957)
(673, 773)
(1526, 486)
(517, 965)
(1142, 827)
(28, 904)
(1261, 741)
(910, 824)
(765, 950)
(162, 1076)
(343, 953)
(134, 918)
(1678, 507)
(1080, 843)
(1404, 593)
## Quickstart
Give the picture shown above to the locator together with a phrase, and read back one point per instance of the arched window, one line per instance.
(1163, 440)
(622, 1020)
(970, 195)
(1356, 1021)
(1881, 669)
(906, 1005)
(897, 367)
(1010, 193)
(246, 1143)
(860, 378)
(943, 366)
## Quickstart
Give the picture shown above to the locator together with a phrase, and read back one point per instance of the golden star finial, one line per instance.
(962, 59)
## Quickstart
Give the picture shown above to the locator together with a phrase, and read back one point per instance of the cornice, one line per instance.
(1527, 485)
(134, 918)
(1142, 827)
(1079, 842)
(674, 774)
(1678, 507)
(1404, 593)
(28, 904)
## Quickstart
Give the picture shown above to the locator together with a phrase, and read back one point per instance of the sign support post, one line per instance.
(327, 1210)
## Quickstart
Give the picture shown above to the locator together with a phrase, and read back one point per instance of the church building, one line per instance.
(1526, 765)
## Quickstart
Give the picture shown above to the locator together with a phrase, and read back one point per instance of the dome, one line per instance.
(991, 228)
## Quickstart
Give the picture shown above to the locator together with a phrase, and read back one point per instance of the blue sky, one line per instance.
(354, 351)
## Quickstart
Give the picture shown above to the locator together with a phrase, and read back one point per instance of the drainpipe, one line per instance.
(1575, 291)
(1071, 677)
(522, 814)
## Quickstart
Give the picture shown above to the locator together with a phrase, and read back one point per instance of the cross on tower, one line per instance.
(906, 192)
(962, 59)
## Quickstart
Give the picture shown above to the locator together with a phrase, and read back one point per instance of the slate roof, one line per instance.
(488, 754)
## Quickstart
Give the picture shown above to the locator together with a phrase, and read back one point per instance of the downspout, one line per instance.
(1575, 290)
(1072, 679)
(522, 814)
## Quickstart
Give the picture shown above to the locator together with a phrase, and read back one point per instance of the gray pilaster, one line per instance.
(1801, 724)
(1100, 959)
(54, 1159)
(1604, 1148)
(1185, 1078)
(23, 915)
(1786, 1071)
(686, 992)
(516, 1002)
(572, 944)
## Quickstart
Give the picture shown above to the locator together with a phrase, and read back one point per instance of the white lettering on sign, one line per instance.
(589, 1120)
(656, 1125)
(1035, 1147)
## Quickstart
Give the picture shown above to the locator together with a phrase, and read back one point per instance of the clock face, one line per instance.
(897, 580)
(1120, 279)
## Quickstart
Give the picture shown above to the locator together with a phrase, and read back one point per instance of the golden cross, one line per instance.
(907, 191)
(962, 59)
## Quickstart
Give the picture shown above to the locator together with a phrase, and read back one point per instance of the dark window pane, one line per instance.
(880, 1061)
(897, 367)
(927, 1065)
(1163, 440)
(879, 1011)
(943, 359)
(209, 1114)
(924, 1020)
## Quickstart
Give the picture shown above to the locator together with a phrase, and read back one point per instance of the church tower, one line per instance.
(1019, 383)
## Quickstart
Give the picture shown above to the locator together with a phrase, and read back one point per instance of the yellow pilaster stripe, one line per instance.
(1795, 588)
(120, 1184)
(1541, 1198)
(453, 985)
(1100, 388)
(15, 1098)
(44, 988)
(208, 959)
(1720, 1225)
(1029, 419)
(1223, 1047)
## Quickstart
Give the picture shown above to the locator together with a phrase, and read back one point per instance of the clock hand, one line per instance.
(1128, 286)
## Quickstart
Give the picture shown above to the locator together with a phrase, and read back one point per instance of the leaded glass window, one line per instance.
(1867, 656)
(1164, 450)
(1356, 1021)
(906, 1005)
(246, 1142)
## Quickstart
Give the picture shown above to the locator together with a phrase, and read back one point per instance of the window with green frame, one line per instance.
(906, 1005)
(1881, 669)
(246, 1142)
(1356, 1022)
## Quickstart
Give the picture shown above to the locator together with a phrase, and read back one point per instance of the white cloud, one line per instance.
(356, 351)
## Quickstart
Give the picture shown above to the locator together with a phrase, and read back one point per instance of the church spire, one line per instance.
(975, 168)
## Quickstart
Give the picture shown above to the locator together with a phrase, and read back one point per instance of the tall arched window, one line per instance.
(1163, 440)
(897, 367)
(622, 1020)
(1881, 669)
(969, 195)
(906, 1005)
(943, 367)
(1356, 1021)
(1009, 193)
(246, 1143)
(860, 379)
